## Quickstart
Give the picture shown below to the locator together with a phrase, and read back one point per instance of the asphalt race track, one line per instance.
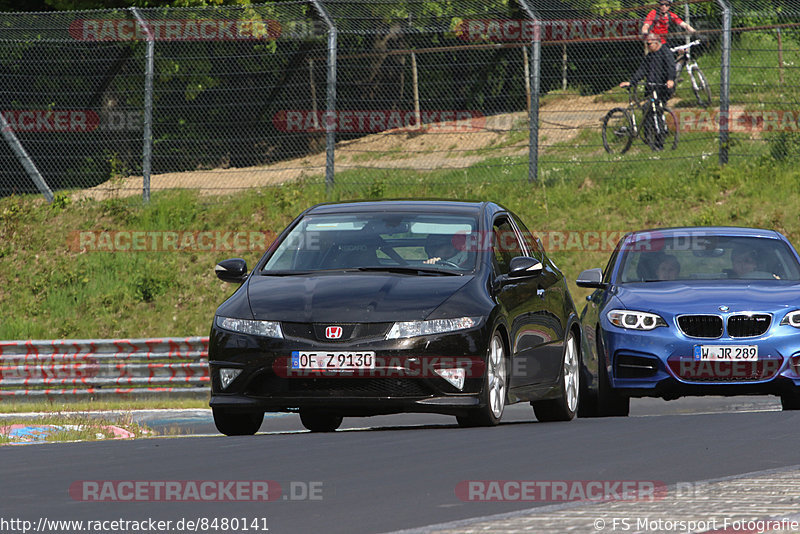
(402, 476)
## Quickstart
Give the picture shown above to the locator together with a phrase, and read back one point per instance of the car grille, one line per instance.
(351, 332)
(725, 371)
(748, 325)
(267, 384)
(705, 326)
(356, 387)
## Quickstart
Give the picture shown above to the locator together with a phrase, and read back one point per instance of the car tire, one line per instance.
(494, 393)
(565, 407)
(609, 402)
(237, 423)
(790, 402)
(317, 421)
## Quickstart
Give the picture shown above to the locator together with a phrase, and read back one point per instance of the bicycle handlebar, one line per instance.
(686, 46)
(631, 88)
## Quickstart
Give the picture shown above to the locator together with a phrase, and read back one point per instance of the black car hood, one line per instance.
(349, 297)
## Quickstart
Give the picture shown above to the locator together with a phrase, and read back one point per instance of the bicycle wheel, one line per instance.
(661, 132)
(702, 91)
(617, 131)
(671, 129)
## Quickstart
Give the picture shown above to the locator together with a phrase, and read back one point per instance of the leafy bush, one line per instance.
(784, 146)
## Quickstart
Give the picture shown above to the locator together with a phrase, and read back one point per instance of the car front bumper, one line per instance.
(403, 380)
(661, 363)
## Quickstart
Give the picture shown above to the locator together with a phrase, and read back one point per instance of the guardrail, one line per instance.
(95, 367)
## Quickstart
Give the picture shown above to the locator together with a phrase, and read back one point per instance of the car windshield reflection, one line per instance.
(410, 243)
(708, 258)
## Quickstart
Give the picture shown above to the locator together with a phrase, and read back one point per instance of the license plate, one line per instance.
(726, 352)
(332, 360)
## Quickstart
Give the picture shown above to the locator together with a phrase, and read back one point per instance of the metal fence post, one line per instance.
(535, 74)
(147, 135)
(330, 115)
(24, 159)
(724, 82)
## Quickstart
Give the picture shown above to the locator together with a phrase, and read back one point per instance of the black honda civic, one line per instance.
(368, 308)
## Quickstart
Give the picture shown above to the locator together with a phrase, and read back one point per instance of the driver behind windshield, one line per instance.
(743, 262)
(440, 249)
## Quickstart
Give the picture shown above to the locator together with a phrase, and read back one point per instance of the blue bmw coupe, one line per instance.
(695, 311)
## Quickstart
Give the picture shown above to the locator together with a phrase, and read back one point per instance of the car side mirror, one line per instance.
(232, 270)
(591, 278)
(522, 266)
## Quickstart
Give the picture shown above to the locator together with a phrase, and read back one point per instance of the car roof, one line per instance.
(727, 231)
(434, 206)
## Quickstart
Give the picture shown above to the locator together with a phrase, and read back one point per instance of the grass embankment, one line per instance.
(85, 405)
(49, 289)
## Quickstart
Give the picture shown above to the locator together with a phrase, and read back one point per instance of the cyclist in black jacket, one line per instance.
(658, 67)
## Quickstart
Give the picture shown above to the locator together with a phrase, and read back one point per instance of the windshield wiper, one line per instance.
(302, 272)
(403, 269)
(284, 273)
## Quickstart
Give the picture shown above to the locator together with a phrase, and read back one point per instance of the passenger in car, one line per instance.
(668, 268)
(743, 261)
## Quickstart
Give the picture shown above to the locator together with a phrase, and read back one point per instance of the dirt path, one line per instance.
(442, 146)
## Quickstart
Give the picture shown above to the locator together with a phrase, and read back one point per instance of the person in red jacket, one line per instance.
(657, 21)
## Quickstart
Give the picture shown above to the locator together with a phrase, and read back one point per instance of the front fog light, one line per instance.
(454, 376)
(226, 376)
(794, 363)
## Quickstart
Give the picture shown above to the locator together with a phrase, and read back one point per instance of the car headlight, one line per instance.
(792, 319)
(434, 326)
(635, 320)
(256, 328)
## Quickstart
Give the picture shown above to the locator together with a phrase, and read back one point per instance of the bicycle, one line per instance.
(659, 123)
(702, 91)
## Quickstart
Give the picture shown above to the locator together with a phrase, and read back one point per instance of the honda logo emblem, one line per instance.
(333, 332)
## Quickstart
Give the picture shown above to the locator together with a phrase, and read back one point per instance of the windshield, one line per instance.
(376, 240)
(709, 258)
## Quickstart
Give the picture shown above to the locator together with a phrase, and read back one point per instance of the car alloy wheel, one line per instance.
(571, 374)
(495, 386)
(565, 406)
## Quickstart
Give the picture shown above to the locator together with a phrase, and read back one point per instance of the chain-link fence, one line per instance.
(765, 81)
(349, 92)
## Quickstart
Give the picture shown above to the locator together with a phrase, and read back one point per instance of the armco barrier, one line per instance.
(94, 367)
